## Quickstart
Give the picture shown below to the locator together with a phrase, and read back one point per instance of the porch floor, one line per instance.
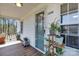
(68, 51)
(19, 50)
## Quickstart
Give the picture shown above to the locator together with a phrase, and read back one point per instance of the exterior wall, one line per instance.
(29, 29)
(29, 22)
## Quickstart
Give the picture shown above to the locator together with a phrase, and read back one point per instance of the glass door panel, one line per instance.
(40, 31)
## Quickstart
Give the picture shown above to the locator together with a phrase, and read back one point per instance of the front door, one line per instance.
(40, 31)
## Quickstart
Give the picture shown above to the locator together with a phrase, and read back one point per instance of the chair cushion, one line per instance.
(2, 40)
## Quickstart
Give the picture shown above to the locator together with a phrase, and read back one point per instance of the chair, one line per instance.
(2, 38)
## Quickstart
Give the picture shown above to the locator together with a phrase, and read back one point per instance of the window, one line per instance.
(69, 12)
(70, 24)
(21, 27)
(8, 26)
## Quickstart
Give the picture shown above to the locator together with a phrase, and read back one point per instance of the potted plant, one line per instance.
(55, 30)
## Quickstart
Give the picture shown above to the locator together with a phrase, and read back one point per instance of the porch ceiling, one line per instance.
(11, 10)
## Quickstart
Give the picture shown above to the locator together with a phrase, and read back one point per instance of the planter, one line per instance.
(59, 40)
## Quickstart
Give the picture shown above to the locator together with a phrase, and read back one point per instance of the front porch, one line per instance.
(35, 25)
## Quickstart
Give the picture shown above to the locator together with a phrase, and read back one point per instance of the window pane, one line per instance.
(70, 19)
(1, 26)
(73, 6)
(63, 8)
(72, 41)
(73, 29)
(65, 19)
(21, 27)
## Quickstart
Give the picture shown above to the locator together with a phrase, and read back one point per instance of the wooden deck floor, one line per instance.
(19, 50)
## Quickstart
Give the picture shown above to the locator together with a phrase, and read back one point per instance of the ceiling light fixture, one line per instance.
(19, 4)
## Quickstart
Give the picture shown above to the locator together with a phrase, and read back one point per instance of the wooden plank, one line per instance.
(19, 50)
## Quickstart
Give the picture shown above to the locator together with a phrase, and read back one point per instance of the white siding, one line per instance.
(29, 29)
